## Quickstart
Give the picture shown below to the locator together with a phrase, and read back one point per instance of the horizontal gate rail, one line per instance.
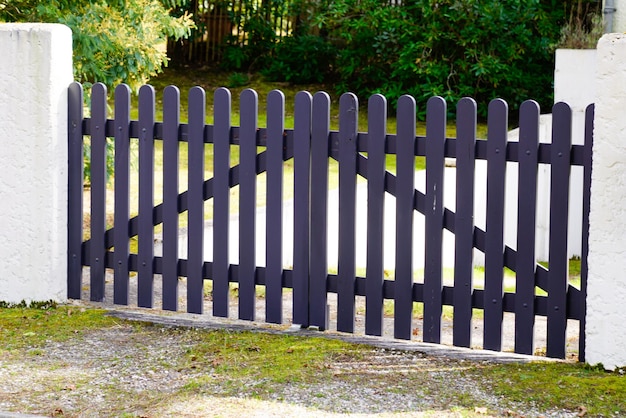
(450, 147)
(312, 144)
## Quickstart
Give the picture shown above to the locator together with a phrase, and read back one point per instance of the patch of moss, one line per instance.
(574, 387)
(265, 357)
(31, 327)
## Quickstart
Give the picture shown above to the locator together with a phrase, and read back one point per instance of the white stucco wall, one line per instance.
(574, 72)
(606, 316)
(35, 70)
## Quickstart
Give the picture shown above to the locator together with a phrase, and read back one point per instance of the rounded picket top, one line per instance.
(122, 89)
(377, 106)
(98, 89)
(377, 99)
(222, 96)
(497, 119)
(498, 105)
(321, 99)
(75, 97)
(406, 111)
(406, 100)
(248, 95)
(303, 100)
(436, 104)
(145, 91)
(75, 85)
(348, 115)
(529, 112)
(436, 115)
(302, 110)
(561, 123)
(275, 98)
(197, 97)
(320, 117)
(562, 108)
(171, 103)
(303, 95)
(349, 101)
(122, 103)
(466, 104)
(530, 106)
(171, 89)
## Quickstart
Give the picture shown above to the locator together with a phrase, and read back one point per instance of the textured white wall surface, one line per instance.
(35, 70)
(606, 315)
(574, 73)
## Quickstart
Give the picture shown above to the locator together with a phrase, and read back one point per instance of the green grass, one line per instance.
(31, 328)
(574, 387)
(266, 357)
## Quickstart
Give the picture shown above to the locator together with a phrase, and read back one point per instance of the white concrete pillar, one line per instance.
(35, 71)
(574, 73)
(606, 315)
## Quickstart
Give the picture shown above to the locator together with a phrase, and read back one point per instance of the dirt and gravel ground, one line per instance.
(133, 372)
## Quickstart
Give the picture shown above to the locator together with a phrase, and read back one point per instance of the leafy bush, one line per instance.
(257, 22)
(114, 41)
(451, 48)
(301, 59)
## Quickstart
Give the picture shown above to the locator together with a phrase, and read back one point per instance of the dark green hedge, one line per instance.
(452, 48)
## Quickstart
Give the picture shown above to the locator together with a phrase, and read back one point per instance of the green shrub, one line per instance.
(301, 59)
(451, 48)
(113, 41)
(257, 22)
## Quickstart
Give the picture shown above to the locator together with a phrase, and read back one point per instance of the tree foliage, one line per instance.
(114, 41)
(451, 48)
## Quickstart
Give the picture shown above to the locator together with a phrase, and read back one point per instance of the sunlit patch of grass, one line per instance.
(575, 387)
(264, 357)
(32, 327)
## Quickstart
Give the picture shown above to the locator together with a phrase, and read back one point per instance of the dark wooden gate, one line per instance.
(309, 147)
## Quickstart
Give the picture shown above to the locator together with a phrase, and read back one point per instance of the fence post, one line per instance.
(606, 317)
(35, 72)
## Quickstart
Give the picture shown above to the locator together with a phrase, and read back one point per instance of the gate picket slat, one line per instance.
(145, 236)
(346, 265)
(301, 205)
(494, 235)
(122, 193)
(274, 221)
(221, 201)
(195, 211)
(526, 223)
(405, 189)
(320, 149)
(171, 124)
(247, 203)
(559, 205)
(377, 129)
(98, 190)
(75, 190)
(464, 222)
(584, 267)
(433, 279)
